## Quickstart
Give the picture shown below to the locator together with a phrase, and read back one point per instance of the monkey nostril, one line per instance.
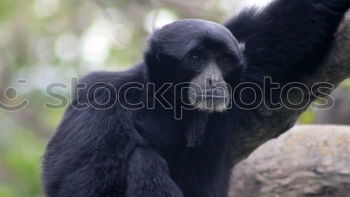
(210, 81)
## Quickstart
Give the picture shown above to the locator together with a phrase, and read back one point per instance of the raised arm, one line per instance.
(290, 41)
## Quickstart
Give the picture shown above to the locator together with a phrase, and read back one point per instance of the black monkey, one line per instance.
(110, 145)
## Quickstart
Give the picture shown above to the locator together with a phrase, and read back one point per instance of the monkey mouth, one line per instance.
(211, 102)
(205, 96)
(198, 97)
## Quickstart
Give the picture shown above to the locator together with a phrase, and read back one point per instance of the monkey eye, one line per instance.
(196, 58)
(227, 60)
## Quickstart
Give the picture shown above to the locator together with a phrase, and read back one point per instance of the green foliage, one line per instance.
(6, 9)
(307, 117)
(20, 155)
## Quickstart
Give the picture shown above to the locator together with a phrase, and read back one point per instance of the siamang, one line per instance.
(165, 128)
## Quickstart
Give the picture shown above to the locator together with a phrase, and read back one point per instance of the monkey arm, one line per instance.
(268, 124)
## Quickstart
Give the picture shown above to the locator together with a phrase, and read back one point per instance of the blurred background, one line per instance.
(52, 41)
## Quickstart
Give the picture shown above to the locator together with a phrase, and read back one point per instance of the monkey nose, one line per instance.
(213, 82)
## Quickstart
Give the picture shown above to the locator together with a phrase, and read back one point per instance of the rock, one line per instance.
(307, 161)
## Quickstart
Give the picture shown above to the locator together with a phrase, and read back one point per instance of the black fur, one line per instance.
(106, 150)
